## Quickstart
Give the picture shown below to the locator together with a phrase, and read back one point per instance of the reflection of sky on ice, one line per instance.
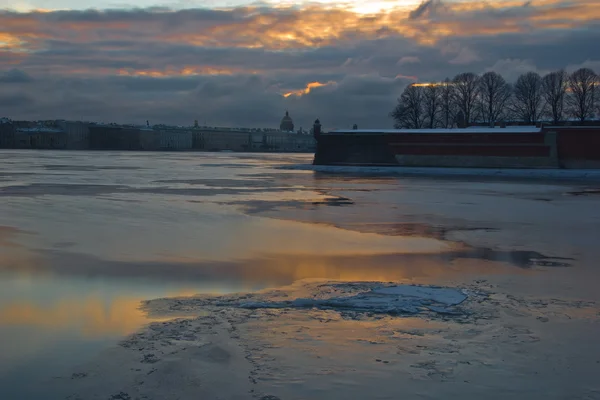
(87, 236)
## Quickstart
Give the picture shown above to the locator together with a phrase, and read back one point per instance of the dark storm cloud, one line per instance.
(426, 8)
(246, 66)
(15, 100)
(15, 76)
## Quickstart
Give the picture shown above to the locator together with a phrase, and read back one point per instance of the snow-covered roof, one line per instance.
(39, 129)
(473, 129)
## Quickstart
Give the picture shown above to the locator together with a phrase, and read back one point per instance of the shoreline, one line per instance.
(538, 174)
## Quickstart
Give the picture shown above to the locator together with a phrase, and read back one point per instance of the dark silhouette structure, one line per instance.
(287, 125)
(317, 129)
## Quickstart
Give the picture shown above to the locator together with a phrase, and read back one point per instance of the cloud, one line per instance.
(408, 60)
(308, 88)
(464, 57)
(511, 69)
(245, 66)
(594, 65)
(15, 76)
(15, 100)
(427, 9)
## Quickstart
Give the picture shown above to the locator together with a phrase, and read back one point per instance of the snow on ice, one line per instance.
(399, 299)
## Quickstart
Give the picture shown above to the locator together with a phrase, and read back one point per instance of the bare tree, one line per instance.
(554, 89)
(447, 106)
(410, 111)
(527, 102)
(466, 90)
(494, 94)
(432, 103)
(582, 98)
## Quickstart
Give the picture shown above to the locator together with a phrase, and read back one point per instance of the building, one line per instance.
(251, 140)
(473, 147)
(216, 140)
(149, 139)
(78, 134)
(7, 134)
(108, 137)
(288, 142)
(40, 138)
(287, 125)
(175, 139)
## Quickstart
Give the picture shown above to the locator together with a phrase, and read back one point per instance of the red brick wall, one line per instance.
(470, 150)
(578, 143)
(471, 138)
(500, 144)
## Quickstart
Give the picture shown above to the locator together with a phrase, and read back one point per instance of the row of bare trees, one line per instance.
(469, 98)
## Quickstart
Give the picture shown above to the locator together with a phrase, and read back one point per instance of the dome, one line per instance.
(287, 125)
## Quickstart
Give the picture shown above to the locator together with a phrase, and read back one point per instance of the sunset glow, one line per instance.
(308, 88)
(279, 52)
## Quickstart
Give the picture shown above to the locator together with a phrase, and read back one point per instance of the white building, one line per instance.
(78, 134)
(175, 139)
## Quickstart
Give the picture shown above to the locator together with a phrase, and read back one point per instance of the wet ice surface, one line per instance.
(437, 172)
(394, 300)
(85, 237)
(298, 353)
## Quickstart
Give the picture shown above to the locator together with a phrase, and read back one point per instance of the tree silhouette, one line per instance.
(447, 105)
(527, 103)
(582, 98)
(554, 89)
(409, 112)
(494, 94)
(465, 93)
(490, 99)
(432, 104)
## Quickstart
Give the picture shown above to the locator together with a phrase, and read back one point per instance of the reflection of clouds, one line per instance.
(271, 269)
(196, 231)
(8, 234)
(91, 316)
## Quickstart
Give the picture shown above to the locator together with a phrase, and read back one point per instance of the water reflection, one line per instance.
(91, 316)
(268, 269)
(76, 259)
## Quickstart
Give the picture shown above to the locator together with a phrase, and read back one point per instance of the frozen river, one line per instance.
(86, 236)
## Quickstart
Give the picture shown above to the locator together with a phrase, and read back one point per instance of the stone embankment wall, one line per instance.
(550, 147)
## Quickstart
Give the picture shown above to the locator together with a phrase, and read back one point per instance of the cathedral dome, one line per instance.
(287, 125)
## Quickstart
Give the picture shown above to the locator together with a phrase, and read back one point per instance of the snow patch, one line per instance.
(441, 295)
(400, 299)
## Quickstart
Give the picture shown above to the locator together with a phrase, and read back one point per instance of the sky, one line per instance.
(242, 63)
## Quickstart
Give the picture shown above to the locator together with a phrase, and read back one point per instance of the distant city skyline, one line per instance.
(242, 63)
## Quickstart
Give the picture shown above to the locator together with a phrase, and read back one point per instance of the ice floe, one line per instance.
(398, 299)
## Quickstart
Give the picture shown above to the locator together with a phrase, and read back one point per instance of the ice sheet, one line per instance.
(400, 299)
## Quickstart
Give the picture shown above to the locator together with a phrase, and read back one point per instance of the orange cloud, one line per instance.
(308, 88)
(312, 26)
(9, 41)
(185, 71)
